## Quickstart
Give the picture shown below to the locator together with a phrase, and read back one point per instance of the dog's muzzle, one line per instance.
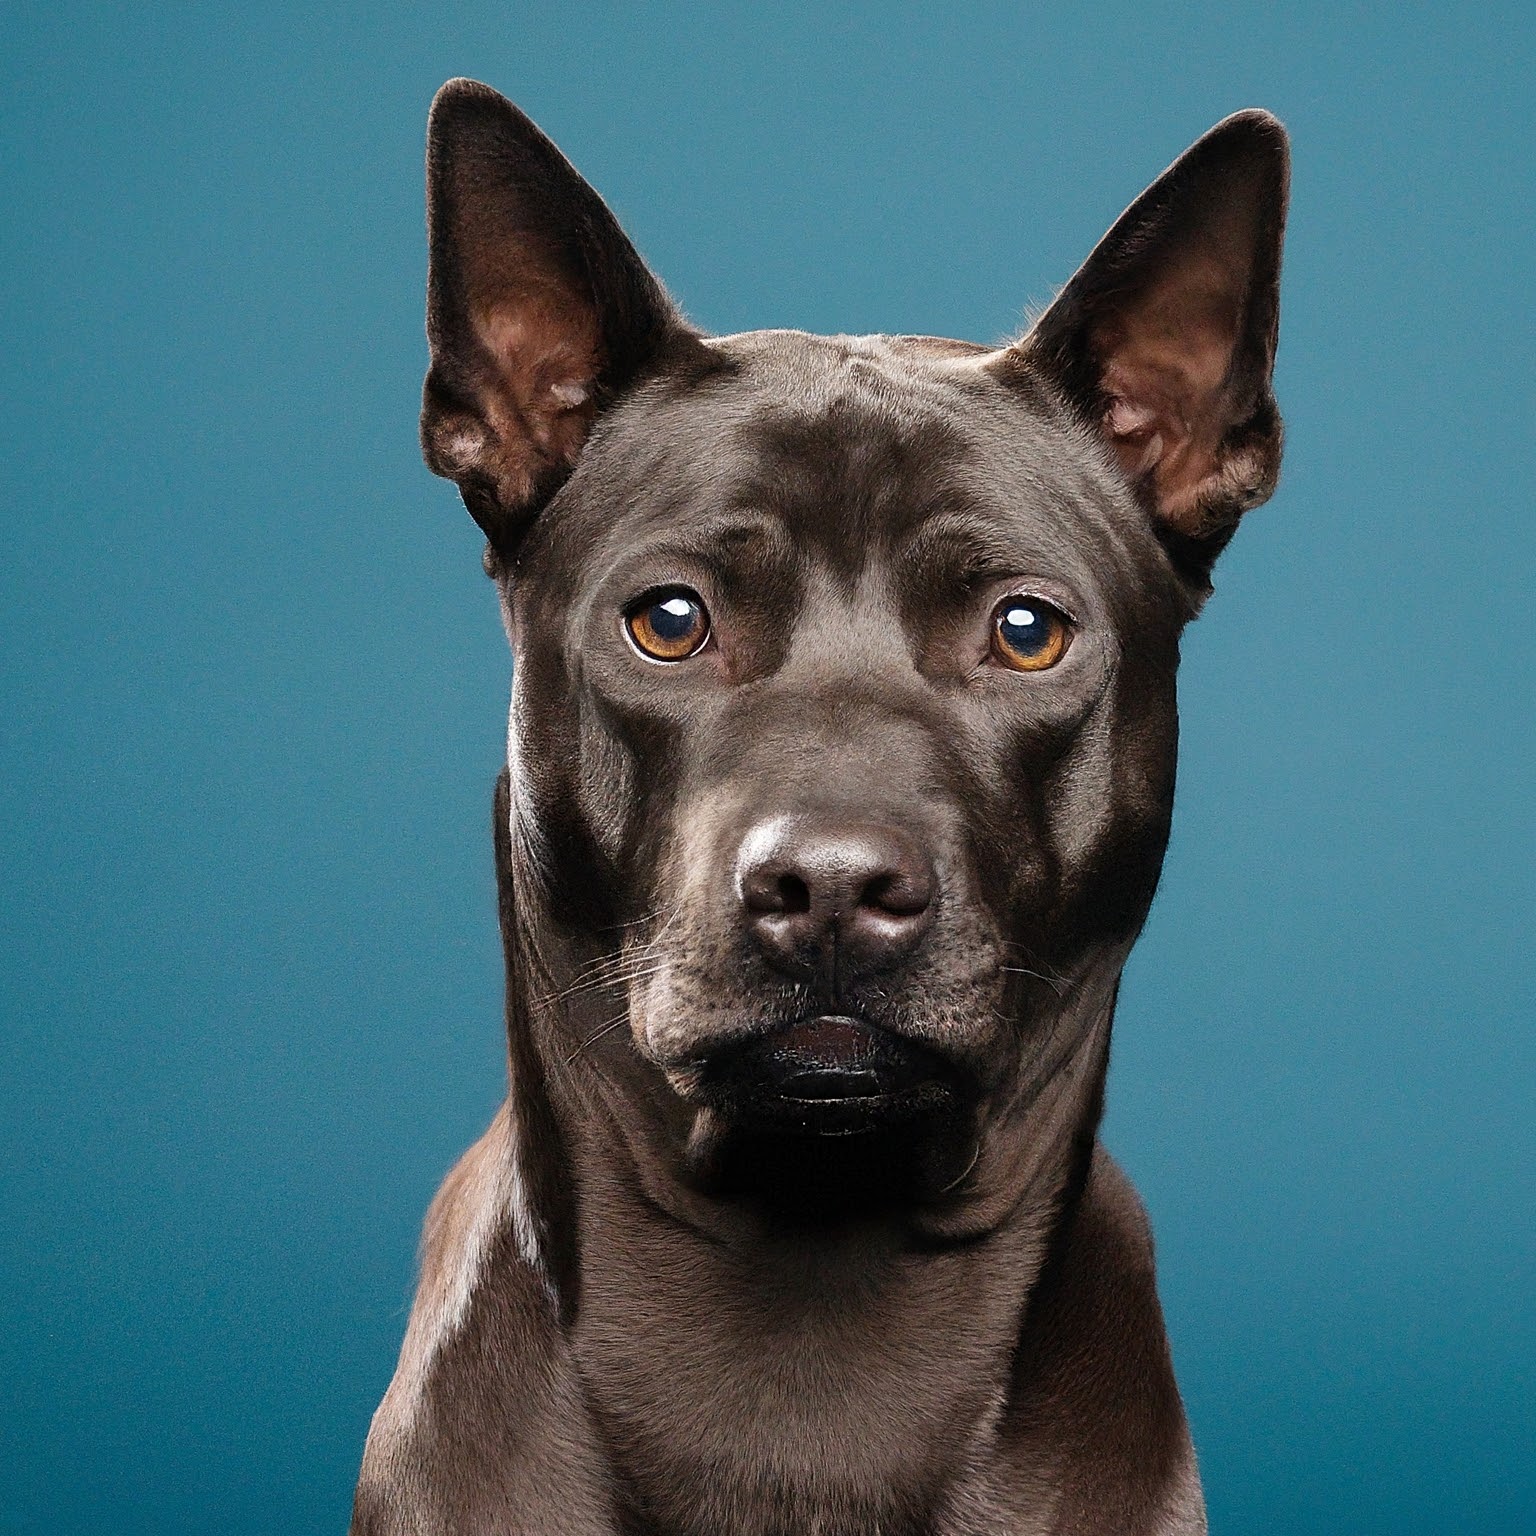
(828, 1076)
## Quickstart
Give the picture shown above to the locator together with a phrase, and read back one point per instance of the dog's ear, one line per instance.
(1165, 339)
(539, 310)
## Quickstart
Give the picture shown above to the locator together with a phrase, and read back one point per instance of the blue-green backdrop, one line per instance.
(253, 688)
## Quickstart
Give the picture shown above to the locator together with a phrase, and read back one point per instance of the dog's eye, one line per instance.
(1028, 634)
(668, 626)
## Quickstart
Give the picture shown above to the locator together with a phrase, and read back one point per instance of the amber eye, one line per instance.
(669, 625)
(1028, 634)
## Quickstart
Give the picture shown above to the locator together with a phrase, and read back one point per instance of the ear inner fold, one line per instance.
(1165, 338)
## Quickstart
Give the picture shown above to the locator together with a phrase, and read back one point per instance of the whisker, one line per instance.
(634, 922)
(1057, 984)
(1023, 949)
(619, 958)
(620, 977)
(606, 1028)
(605, 965)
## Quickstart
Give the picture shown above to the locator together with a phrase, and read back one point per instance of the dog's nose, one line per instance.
(865, 892)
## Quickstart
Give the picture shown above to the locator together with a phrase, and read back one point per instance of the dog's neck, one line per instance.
(657, 1282)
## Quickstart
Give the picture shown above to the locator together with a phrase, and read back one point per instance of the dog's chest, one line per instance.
(801, 1402)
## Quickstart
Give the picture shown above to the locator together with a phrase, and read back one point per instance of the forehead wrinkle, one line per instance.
(1060, 513)
(844, 445)
(811, 371)
(849, 483)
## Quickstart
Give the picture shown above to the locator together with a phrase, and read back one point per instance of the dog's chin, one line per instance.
(830, 1112)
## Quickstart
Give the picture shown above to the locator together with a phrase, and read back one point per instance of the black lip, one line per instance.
(831, 1075)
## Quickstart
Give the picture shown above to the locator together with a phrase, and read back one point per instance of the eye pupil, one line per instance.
(1029, 635)
(1025, 630)
(674, 618)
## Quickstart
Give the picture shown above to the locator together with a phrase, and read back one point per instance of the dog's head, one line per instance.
(844, 708)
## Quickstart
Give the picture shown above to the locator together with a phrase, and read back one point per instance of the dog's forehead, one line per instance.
(811, 375)
(852, 444)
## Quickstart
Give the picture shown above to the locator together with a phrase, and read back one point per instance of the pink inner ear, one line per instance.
(1165, 366)
(546, 352)
(546, 347)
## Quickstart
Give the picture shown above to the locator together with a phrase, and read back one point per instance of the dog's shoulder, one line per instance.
(1095, 1406)
(1100, 1294)
(484, 1380)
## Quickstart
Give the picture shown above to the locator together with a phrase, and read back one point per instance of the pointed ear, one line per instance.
(1165, 339)
(539, 310)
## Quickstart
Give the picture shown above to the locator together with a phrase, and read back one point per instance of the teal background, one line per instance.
(254, 685)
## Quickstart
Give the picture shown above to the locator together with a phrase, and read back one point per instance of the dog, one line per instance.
(841, 765)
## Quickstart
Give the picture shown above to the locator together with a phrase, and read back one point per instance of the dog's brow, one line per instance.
(740, 528)
(960, 543)
(717, 538)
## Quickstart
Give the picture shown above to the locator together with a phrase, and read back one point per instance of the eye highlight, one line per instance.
(670, 625)
(1028, 633)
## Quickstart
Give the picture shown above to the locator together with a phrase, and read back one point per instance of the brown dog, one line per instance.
(841, 766)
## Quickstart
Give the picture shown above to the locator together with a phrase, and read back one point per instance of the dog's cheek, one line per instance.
(692, 992)
(992, 771)
(606, 791)
(656, 1013)
(1012, 852)
(676, 1007)
(561, 823)
(1110, 804)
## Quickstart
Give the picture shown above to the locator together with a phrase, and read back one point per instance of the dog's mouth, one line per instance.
(827, 1076)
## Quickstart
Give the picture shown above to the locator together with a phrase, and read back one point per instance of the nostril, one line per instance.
(768, 891)
(898, 893)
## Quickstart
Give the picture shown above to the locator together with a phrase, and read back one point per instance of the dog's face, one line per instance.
(852, 665)
(844, 685)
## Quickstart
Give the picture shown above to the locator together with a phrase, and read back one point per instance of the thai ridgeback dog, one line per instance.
(840, 772)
